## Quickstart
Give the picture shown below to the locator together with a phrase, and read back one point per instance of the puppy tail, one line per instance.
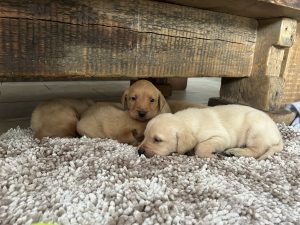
(272, 150)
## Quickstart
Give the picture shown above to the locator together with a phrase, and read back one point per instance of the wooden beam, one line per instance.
(87, 39)
(262, 92)
(258, 9)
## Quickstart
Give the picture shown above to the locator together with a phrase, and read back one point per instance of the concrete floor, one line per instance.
(18, 99)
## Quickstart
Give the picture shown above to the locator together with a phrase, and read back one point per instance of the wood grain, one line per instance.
(98, 39)
(259, 9)
(294, 4)
(275, 73)
(291, 73)
(274, 37)
(262, 92)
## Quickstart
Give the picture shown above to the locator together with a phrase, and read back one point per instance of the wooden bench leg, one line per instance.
(264, 89)
(178, 83)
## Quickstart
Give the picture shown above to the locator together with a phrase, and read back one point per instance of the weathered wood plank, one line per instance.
(291, 73)
(262, 92)
(56, 39)
(258, 9)
(293, 4)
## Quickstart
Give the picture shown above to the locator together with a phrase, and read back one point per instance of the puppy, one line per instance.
(110, 121)
(233, 129)
(58, 118)
(144, 101)
(176, 105)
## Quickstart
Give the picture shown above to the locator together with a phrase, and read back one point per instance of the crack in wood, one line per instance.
(134, 30)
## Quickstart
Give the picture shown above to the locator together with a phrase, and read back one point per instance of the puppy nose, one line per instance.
(141, 151)
(142, 114)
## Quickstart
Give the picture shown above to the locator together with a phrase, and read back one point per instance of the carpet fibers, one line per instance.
(94, 181)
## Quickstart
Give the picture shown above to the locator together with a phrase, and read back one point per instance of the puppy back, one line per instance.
(52, 119)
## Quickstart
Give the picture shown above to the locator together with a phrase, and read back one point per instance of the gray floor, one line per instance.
(18, 99)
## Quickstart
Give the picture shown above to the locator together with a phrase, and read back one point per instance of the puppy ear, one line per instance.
(186, 140)
(124, 99)
(139, 137)
(162, 104)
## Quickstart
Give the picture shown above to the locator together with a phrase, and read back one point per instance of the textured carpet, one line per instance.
(93, 181)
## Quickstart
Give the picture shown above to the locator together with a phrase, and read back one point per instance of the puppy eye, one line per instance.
(133, 98)
(157, 140)
(152, 100)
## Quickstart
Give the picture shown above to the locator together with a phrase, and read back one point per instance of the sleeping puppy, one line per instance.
(144, 101)
(177, 105)
(233, 129)
(110, 121)
(58, 118)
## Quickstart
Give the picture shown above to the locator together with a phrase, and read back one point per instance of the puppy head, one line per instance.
(143, 100)
(166, 134)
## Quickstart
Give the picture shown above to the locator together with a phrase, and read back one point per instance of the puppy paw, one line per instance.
(234, 152)
(139, 137)
(206, 155)
(224, 154)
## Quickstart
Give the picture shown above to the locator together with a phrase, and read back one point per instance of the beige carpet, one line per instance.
(93, 181)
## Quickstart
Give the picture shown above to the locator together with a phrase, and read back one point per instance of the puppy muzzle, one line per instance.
(141, 151)
(142, 114)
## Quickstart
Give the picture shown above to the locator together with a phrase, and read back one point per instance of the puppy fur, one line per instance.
(144, 101)
(233, 129)
(176, 105)
(110, 121)
(58, 118)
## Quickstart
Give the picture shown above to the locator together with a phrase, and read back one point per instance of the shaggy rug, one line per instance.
(94, 181)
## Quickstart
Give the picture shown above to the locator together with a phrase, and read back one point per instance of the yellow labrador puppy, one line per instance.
(233, 129)
(144, 101)
(141, 101)
(58, 117)
(110, 121)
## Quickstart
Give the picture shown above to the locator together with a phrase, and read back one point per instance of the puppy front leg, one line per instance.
(246, 152)
(206, 148)
(255, 147)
